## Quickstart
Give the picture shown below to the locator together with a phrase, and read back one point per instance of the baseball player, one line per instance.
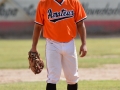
(60, 21)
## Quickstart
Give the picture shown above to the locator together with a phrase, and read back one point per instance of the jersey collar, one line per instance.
(59, 3)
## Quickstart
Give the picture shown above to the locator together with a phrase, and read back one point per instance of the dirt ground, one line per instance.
(107, 72)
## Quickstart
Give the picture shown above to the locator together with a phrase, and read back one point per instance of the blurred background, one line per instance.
(102, 61)
(17, 17)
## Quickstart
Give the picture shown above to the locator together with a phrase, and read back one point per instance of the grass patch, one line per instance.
(14, 53)
(95, 62)
(83, 85)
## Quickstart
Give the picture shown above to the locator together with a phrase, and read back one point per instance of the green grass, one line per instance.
(14, 53)
(100, 51)
(83, 85)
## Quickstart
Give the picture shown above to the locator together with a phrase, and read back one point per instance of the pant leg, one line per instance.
(70, 63)
(53, 61)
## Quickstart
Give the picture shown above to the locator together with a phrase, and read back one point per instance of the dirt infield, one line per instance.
(107, 72)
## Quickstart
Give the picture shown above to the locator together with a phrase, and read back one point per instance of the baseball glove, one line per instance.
(36, 64)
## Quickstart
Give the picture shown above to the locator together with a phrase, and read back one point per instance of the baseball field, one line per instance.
(99, 70)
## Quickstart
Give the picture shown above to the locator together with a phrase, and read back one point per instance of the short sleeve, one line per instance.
(80, 13)
(39, 18)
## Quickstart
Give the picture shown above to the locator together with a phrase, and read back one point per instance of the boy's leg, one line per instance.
(53, 61)
(51, 86)
(70, 65)
(72, 86)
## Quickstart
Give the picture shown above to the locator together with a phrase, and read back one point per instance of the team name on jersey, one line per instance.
(60, 15)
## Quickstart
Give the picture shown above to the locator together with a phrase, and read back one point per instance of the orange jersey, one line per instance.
(59, 19)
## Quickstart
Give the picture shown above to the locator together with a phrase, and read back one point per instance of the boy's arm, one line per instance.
(82, 33)
(36, 34)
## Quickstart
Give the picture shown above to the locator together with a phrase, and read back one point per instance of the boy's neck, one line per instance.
(59, 1)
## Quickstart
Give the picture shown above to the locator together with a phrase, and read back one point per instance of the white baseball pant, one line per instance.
(61, 56)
